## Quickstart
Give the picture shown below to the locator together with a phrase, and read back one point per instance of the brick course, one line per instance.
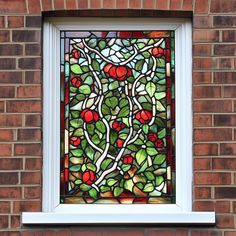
(214, 107)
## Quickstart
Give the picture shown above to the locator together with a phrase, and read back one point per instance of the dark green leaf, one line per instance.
(118, 191)
(101, 127)
(93, 193)
(77, 152)
(113, 136)
(149, 175)
(124, 112)
(159, 159)
(139, 65)
(105, 164)
(89, 153)
(85, 187)
(75, 168)
(95, 65)
(102, 44)
(111, 102)
(159, 180)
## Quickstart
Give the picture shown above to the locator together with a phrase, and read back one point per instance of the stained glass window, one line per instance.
(117, 117)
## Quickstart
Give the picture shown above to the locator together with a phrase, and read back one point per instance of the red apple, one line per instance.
(88, 177)
(75, 141)
(75, 53)
(76, 82)
(89, 116)
(157, 52)
(127, 159)
(143, 116)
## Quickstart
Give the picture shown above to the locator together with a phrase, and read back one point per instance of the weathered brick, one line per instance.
(149, 4)
(213, 134)
(106, 4)
(10, 120)
(31, 149)
(20, 206)
(33, 77)
(228, 148)
(29, 134)
(10, 77)
(6, 150)
(59, 4)
(32, 192)
(225, 50)
(15, 21)
(202, 192)
(33, 49)
(225, 77)
(2, 106)
(11, 49)
(34, 6)
(29, 91)
(219, 106)
(13, 6)
(25, 106)
(222, 206)
(7, 92)
(11, 164)
(212, 178)
(3, 221)
(206, 233)
(5, 207)
(202, 49)
(2, 22)
(98, 3)
(201, 6)
(224, 21)
(71, 4)
(175, 4)
(6, 135)
(135, 4)
(203, 206)
(223, 6)
(7, 63)
(224, 63)
(46, 5)
(33, 120)
(201, 77)
(229, 91)
(207, 91)
(202, 22)
(10, 192)
(225, 120)
(202, 164)
(229, 35)
(203, 63)
(205, 149)
(163, 4)
(187, 5)
(206, 36)
(8, 178)
(4, 36)
(202, 120)
(26, 36)
(30, 178)
(33, 21)
(30, 63)
(33, 163)
(225, 221)
(124, 232)
(15, 221)
(229, 233)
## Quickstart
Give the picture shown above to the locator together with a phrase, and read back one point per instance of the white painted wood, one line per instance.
(113, 218)
(55, 213)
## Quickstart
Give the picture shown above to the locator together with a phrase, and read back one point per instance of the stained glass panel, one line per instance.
(117, 117)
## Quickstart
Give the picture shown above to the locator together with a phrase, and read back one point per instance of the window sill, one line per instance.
(190, 218)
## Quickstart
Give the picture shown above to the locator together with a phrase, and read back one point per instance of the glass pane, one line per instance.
(117, 117)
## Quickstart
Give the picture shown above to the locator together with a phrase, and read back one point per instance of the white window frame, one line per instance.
(55, 213)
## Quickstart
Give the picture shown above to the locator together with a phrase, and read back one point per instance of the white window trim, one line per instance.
(56, 213)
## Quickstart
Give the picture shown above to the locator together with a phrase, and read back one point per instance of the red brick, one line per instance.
(205, 36)
(203, 206)
(108, 4)
(29, 135)
(234, 207)
(149, 4)
(10, 77)
(187, 5)
(10, 120)
(201, 6)
(224, 21)
(70, 4)
(212, 178)
(34, 6)
(26, 36)
(4, 36)
(219, 106)
(29, 206)
(213, 134)
(7, 63)
(15, 21)
(2, 106)
(31, 149)
(225, 221)
(224, 63)
(15, 221)
(229, 91)
(5, 207)
(225, 192)
(163, 4)
(222, 206)
(207, 92)
(202, 192)
(134, 3)
(2, 22)
(225, 50)
(3, 221)
(118, 232)
(6, 150)
(46, 5)
(229, 35)
(7, 92)
(203, 63)
(29, 91)
(33, 163)
(30, 63)
(202, 49)
(10, 233)
(175, 4)
(6, 135)
(25, 106)
(224, 120)
(223, 6)
(59, 5)
(33, 120)
(206, 149)
(33, 21)
(30, 178)
(11, 49)
(8, 178)
(82, 4)
(206, 232)
(98, 3)
(202, 164)
(33, 77)
(202, 120)
(11, 164)
(230, 233)
(202, 22)
(228, 149)
(32, 192)
(225, 77)
(13, 6)
(224, 163)
(201, 77)
(161, 232)
(10, 192)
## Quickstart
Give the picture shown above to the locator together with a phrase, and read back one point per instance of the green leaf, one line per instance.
(123, 102)
(76, 69)
(85, 187)
(139, 65)
(162, 133)
(89, 153)
(75, 168)
(149, 175)
(105, 109)
(93, 193)
(159, 159)
(143, 167)
(111, 182)
(102, 44)
(100, 126)
(78, 132)
(92, 42)
(113, 85)
(125, 167)
(123, 136)
(148, 188)
(111, 102)
(91, 166)
(77, 152)
(124, 112)
(150, 88)
(159, 106)
(140, 185)
(145, 128)
(95, 65)
(155, 193)
(129, 185)
(138, 141)
(105, 164)
(84, 68)
(132, 147)
(118, 191)
(113, 136)
(75, 123)
(95, 139)
(90, 128)
(151, 151)
(160, 95)
(85, 89)
(78, 181)
(104, 188)
(159, 180)
(141, 156)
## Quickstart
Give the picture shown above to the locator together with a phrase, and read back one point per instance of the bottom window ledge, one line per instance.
(192, 218)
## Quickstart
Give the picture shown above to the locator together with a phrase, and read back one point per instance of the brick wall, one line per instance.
(214, 105)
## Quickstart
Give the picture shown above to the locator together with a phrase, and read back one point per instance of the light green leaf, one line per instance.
(75, 123)
(125, 167)
(141, 156)
(91, 166)
(162, 133)
(85, 187)
(159, 106)
(75, 168)
(129, 185)
(104, 188)
(105, 164)
(159, 180)
(113, 85)
(89, 153)
(148, 188)
(111, 102)
(85, 89)
(111, 182)
(102, 44)
(160, 95)
(78, 132)
(118, 191)
(149, 175)
(150, 88)
(77, 152)
(139, 65)
(76, 69)
(159, 159)
(151, 151)
(78, 181)
(100, 126)
(93, 193)
(124, 112)
(145, 128)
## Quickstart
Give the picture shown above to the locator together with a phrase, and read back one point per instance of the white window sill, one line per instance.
(160, 218)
